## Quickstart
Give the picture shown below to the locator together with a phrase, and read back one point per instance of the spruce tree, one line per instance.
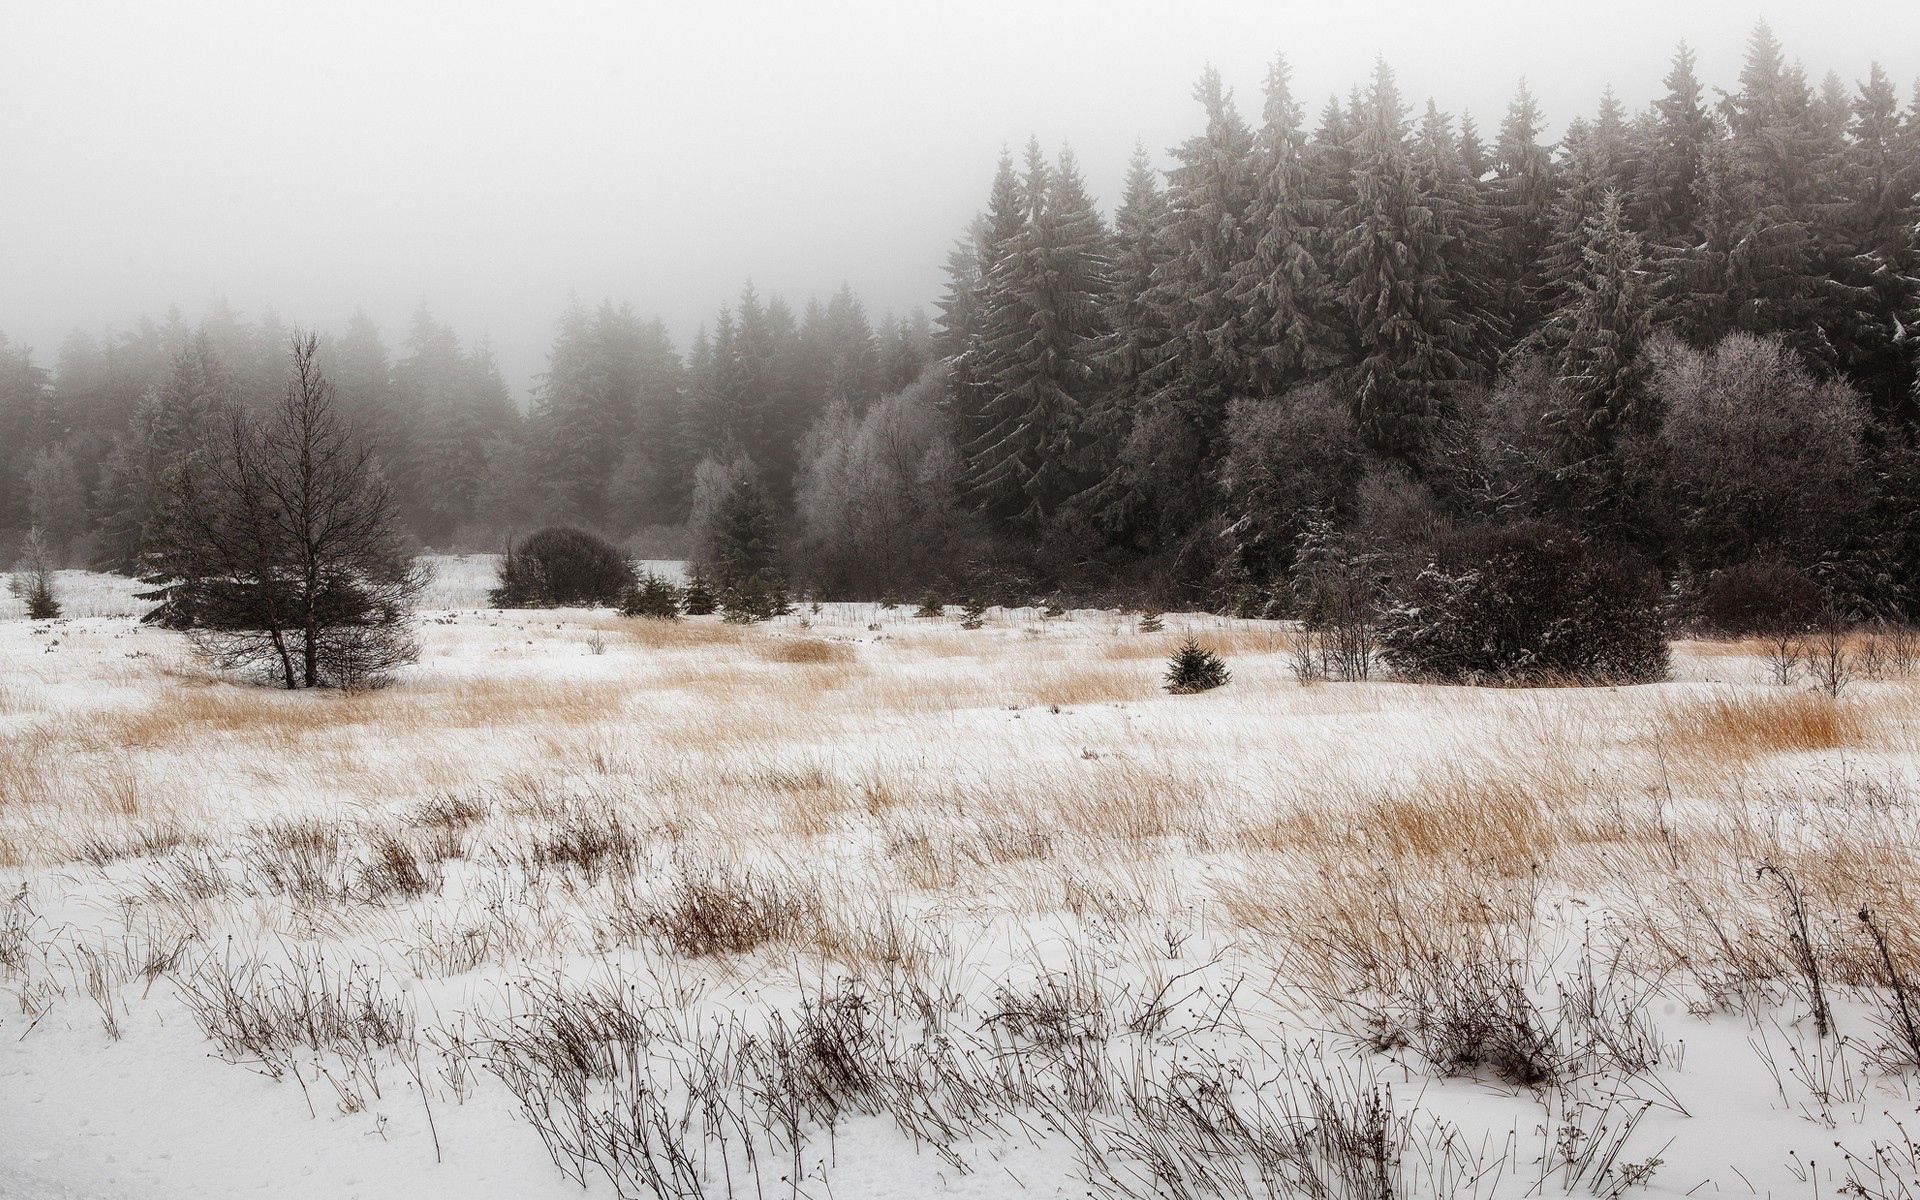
(1523, 193)
(1278, 281)
(652, 597)
(974, 613)
(742, 547)
(1138, 337)
(1683, 126)
(1392, 272)
(972, 270)
(1044, 338)
(1210, 197)
(1882, 263)
(168, 424)
(1602, 328)
(697, 599)
(1464, 237)
(1773, 277)
(1195, 669)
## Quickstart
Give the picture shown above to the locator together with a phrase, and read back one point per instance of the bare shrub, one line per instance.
(1828, 655)
(265, 1015)
(1800, 937)
(590, 842)
(16, 918)
(715, 911)
(298, 858)
(392, 870)
(1902, 1020)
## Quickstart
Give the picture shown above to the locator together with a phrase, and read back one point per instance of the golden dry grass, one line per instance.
(804, 651)
(1746, 724)
(922, 803)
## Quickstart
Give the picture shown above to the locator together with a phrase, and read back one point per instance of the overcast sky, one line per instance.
(492, 158)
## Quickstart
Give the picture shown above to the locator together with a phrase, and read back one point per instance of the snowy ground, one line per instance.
(855, 904)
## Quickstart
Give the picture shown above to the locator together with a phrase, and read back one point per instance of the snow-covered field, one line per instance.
(854, 904)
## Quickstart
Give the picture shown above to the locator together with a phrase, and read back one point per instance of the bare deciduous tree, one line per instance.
(279, 551)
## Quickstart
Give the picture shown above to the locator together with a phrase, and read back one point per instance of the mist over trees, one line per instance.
(1355, 331)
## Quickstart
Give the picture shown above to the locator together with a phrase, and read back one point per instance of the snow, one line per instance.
(984, 814)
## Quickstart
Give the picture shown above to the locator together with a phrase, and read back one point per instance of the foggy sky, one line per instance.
(492, 159)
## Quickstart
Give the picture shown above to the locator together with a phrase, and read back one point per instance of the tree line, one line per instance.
(1679, 333)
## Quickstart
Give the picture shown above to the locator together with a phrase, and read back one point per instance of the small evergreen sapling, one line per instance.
(652, 597)
(1052, 610)
(697, 598)
(974, 614)
(778, 602)
(930, 606)
(1150, 621)
(33, 580)
(1195, 669)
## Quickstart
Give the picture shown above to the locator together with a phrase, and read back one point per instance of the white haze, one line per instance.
(491, 159)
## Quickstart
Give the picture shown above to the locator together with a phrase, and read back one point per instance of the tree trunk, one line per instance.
(286, 658)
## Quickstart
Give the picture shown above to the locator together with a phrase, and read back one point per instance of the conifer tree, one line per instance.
(1464, 237)
(1772, 276)
(963, 314)
(1138, 336)
(1523, 191)
(1151, 498)
(1196, 669)
(1683, 127)
(167, 426)
(1278, 281)
(1882, 263)
(1408, 333)
(1602, 329)
(1044, 338)
(1210, 197)
(742, 546)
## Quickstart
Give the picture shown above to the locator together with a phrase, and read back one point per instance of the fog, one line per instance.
(492, 159)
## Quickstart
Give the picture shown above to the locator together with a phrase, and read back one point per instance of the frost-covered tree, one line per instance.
(1407, 330)
(1044, 338)
(1524, 188)
(1601, 329)
(1277, 281)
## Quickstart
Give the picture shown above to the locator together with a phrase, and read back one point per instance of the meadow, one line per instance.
(857, 904)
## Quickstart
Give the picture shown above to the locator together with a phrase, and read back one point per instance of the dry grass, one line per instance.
(804, 651)
(964, 881)
(1745, 724)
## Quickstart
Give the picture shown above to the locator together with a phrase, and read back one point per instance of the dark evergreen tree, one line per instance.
(1407, 332)
(1277, 282)
(1683, 128)
(1524, 188)
(1881, 267)
(1601, 328)
(1045, 333)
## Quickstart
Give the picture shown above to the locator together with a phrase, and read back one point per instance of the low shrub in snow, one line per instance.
(33, 579)
(1759, 597)
(1527, 604)
(562, 566)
